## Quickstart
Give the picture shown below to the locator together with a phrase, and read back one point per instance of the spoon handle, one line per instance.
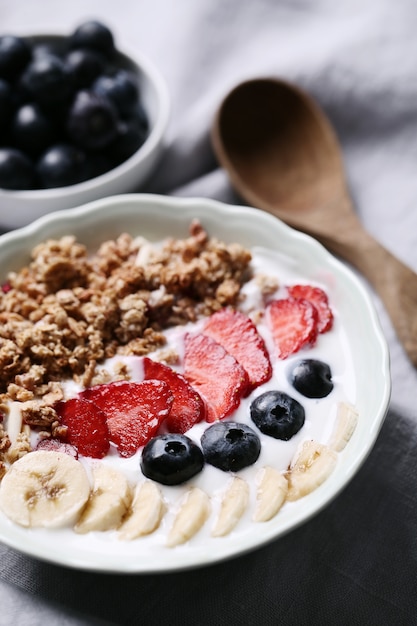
(395, 283)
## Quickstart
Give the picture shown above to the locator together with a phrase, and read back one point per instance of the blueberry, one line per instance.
(94, 35)
(230, 446)
(85, 66)
(171, 459)
(15, 54)
(31, 130)
(61, 165)
(121, 89)
(16, 170)
(312, 378)
(277, 414)
(6, 102)
(129, 139)
(92, 121)
(47, 80)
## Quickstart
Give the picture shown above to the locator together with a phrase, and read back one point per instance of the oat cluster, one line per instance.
(68, 310)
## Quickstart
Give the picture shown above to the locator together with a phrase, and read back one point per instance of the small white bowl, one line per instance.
(18, 208)
(157, 217)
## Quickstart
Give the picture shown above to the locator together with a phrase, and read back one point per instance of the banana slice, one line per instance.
(234, 503)
(44, 488)
(309, 469)
(271, 494)
(190, 518)
(14, 421)
(346, 421)
(108, 502)
(146, 513)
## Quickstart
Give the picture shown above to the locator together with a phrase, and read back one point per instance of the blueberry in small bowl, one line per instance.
(76, 90)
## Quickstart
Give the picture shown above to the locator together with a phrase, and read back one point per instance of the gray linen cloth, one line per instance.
(356, 561)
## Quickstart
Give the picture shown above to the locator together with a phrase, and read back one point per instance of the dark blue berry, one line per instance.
(121, 89)
(16, 170)
(95, 35)
(6, 103)
(85, 66)
(47, 81)
(312, 378)
(277, 414)
(129, 139)
(31, 131)
(230, 446)
(15, 54)
(171, 459)
(61, 165)
(92, 121)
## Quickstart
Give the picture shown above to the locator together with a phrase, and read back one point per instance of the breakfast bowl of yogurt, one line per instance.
(182, 381)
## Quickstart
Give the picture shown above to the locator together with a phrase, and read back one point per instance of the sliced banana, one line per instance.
(311, 466)
(44, 488)
(146, 512)
(190, 518)
(346, 421)
(14, 421)
(233, 505)
(271, 493)
(108, 503)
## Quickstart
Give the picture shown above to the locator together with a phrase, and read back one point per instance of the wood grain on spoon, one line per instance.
(283, 156)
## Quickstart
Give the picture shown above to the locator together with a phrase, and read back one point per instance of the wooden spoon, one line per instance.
(282, 156)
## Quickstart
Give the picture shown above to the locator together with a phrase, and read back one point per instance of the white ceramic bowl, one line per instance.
(18, 208)
(156, 217)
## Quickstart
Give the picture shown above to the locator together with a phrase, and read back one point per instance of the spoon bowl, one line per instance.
(283, 156)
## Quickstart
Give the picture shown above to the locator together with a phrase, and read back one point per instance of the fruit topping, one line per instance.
(61, 165)
(236, 332)
(46, 80)
(319, 299)
(92, 121)
(16, 170)
(86, 427)
(312, 378)
(134, 411)
(293, 323)
(277, 414)
(215, 374)
(31, 130)
(14, 55)
(171, 459)
(121, 89)
(311, 466)
(187, 408)
(85, 66)
(94, 35)
(57, 445)
(230, 446)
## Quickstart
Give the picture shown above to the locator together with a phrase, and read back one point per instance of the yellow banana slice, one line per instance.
(146, 512)
(346, 422)
(108, 501)
(311, 466)
(44, 488)
(190, 518)
(234, 503)
(271, 494)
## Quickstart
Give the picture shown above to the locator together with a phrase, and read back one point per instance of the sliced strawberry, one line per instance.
(215, 374)
(187, 408)
(134, 411)
(57, 446)
(319, 299)
(236, 332)
(86, 427)
(293, 323)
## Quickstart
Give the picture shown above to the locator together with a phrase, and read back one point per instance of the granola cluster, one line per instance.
(68, 310)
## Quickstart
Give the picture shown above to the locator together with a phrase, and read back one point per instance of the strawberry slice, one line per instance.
(293, 323)
(86, 427)
(319, 299)
(134, 411)
(236, 332)
(215, 374)
(187, 408)
(56, 445)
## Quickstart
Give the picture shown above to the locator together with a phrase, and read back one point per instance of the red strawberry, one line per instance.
(86, 427)
(58, 446)
(239, 336)
(215, 374)
(134, 411)
(293, 323)
(319, 299)
(187, 408)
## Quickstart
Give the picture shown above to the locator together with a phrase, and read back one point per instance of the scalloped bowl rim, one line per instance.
(160, 216)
